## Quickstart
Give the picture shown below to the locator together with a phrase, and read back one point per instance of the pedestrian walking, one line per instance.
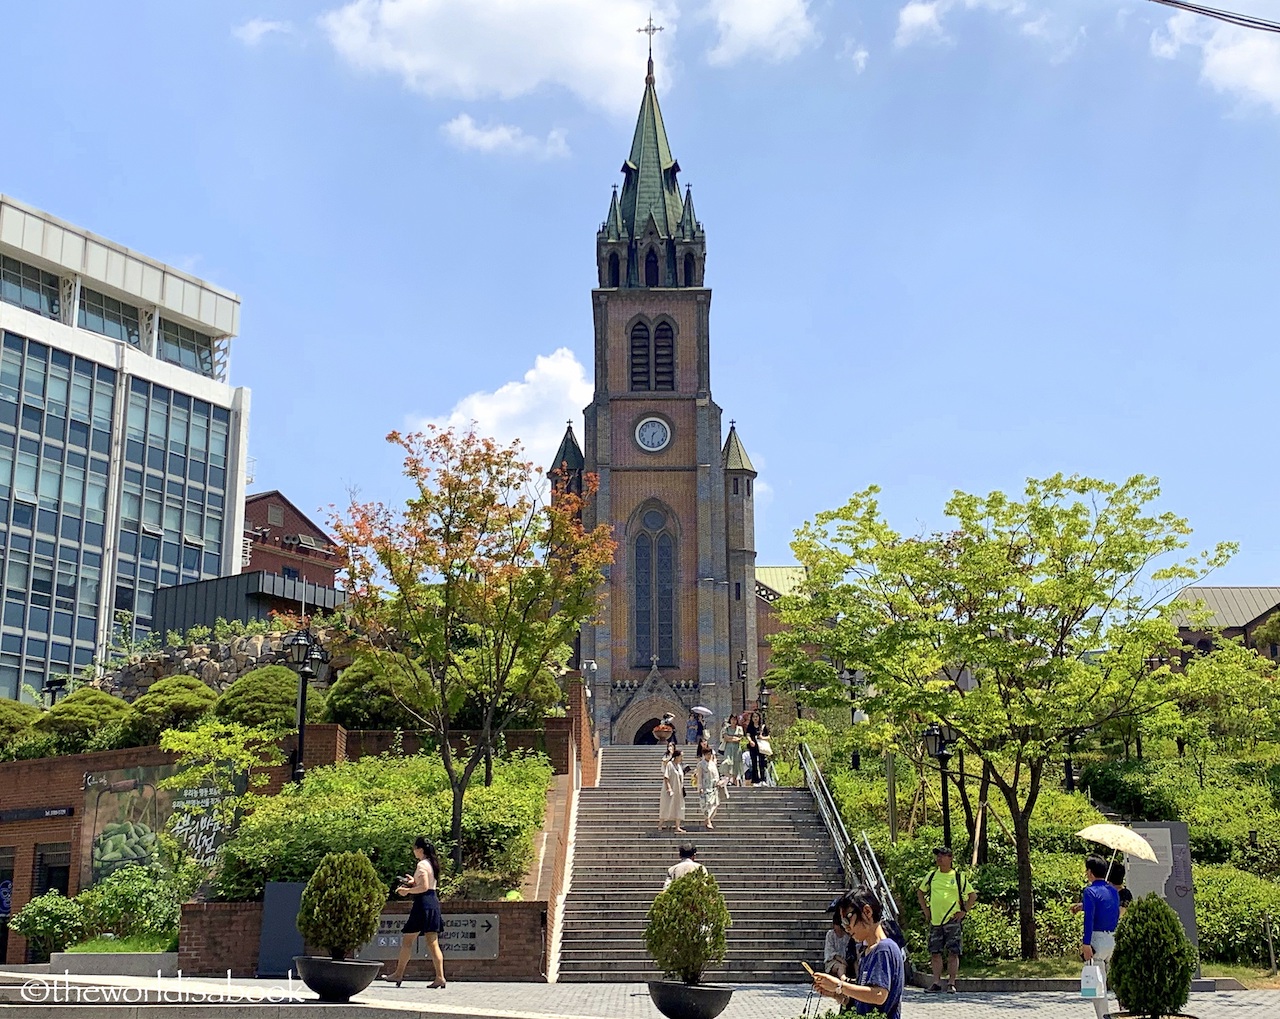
(731, 747)
(671, 806)
(709, 785)
(836, 947)
(692, 729)
(946, 896)
(687, 865)
(755, 732)
(1100, 903)
(881, 973)
(425, 919)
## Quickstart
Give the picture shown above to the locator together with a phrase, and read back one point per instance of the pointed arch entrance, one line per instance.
(640, 718)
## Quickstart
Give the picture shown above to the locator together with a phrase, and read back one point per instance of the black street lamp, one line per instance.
(305, 652)
(857, 684)
(937, 742)
(742, 677)
(763, 695)
(54, 685)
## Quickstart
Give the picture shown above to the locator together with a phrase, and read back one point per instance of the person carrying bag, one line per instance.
(945, 897)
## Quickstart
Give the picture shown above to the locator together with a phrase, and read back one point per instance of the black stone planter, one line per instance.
(1143, 1015)
(689, 1001)
(336, 980)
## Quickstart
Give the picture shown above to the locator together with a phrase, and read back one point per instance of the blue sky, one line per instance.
(952, 244)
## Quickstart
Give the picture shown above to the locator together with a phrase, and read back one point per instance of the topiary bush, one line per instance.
(15, 717)
(363, 697)
(175, 702)
(341, 904)
(1154, 962)
(50, 922)
(686, 927)
(267, 696)
(81, 715)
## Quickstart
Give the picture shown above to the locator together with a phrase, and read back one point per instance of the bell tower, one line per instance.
(663, 637)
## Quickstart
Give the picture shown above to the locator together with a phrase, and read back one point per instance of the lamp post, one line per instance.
(937, 742)
(742, 677)
(54, 685)
(763, 696)
(857, 684)
(305, 652)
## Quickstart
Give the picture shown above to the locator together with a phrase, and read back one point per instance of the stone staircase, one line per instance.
(770, 853)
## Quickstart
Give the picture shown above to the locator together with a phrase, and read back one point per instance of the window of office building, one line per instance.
(102, 314)
(180, 345)
(29, 287)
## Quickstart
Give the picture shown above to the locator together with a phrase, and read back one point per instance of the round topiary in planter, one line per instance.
(1154, 961)
(684, 935)
(339, 912)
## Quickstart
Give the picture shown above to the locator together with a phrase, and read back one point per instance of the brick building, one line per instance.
(279, 538)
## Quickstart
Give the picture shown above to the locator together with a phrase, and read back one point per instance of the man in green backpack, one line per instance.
(945, 897)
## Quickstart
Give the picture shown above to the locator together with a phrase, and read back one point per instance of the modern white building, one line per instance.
(122, 445)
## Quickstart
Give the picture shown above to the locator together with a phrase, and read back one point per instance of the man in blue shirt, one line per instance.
(1101, 905)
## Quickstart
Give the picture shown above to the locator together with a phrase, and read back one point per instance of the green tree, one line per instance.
(1051, 603)
(171, 703)
(76, 718)
(364, 697)
(474, 591)
(267, 697)
(227, 757)
(15, 717)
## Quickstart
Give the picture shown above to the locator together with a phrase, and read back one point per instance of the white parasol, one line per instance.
(700, 710)
(1120, 838)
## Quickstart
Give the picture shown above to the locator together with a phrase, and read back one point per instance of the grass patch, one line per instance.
(1047, 969)
(136, 943)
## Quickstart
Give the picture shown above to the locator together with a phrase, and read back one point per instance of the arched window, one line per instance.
(664, 357)
(614, 274)
(641, 359)
(651, 269)
(688, 269)
(654, 561)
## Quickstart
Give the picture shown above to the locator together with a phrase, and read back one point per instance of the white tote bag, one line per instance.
(1093, 983)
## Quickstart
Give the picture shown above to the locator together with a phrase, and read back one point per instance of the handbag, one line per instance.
(763, 745)
(1093, 983)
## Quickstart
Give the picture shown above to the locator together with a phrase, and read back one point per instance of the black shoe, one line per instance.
(933, 989)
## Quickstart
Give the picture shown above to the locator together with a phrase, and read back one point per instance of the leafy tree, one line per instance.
(1050, 603)
(15, 717)
(474, 591)
(172, 703)
(267, 697)
(227, 757)
(76, 718)
(364, 697)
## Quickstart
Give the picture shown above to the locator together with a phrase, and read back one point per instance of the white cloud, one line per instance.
(855, 53)
(503, 139)
(479, 49)
(1233, 60)
(773, 29)
(255, 30)
(921, 21)
(533, 410)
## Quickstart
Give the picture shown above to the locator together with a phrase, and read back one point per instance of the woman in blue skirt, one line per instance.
(425, 919)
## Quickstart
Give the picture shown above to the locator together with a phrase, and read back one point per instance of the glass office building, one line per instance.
(122, 446)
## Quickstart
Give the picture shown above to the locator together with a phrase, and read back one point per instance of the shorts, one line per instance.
(945, 939)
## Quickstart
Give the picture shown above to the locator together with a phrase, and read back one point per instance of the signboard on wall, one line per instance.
(125, 810)
(466, 936)
(1170, 876)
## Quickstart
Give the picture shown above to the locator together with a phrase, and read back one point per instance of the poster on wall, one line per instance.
(125, 811)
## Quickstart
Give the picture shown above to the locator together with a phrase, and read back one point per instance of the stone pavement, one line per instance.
(474, 1000)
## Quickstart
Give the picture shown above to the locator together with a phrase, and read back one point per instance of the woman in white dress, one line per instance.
(671, 806)
(731, 747)
(709, 786)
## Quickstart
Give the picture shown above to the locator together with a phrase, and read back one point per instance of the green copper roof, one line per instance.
(650, 187)
(783, 579)
(569, 455)
(735, 456)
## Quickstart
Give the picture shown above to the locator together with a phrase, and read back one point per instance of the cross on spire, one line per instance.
(650, 29)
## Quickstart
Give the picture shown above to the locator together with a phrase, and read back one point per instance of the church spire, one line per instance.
(650, 186)
(734, 456)
(569, 455)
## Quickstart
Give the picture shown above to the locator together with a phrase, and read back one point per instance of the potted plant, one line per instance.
(1154, 960)
(685, 933)
(339, 912)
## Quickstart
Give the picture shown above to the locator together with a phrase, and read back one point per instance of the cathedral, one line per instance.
(677, 625)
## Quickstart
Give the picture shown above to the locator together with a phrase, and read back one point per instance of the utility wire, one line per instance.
(1230, 17)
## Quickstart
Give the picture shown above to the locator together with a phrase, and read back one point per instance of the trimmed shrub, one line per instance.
(341, 904)
(15, 717)
(134, 900)
(82, 714)
(49, 922)
(1229, 909)
(1154, 961)
(1129, 787)
(687, 921)
(363, 698)
(267, 696)
(175, 702)
(991, 932)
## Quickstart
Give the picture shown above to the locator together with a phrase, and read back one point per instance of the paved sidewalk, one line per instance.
(631, 1001)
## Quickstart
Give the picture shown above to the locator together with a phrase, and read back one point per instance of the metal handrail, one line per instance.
(857, 860)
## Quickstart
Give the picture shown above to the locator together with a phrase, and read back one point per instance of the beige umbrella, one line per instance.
(1120, 838)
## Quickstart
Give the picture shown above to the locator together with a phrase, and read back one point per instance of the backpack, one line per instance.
(962, 887)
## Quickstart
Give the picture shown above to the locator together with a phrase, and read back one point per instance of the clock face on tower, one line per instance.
(653, 434)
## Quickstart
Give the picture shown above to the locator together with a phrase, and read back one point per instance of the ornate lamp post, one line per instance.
(937, 742)
(305, 652)
(857, 684)
(742, 677)
(763, 695)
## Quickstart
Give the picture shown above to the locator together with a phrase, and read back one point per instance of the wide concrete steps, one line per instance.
(769, 852)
